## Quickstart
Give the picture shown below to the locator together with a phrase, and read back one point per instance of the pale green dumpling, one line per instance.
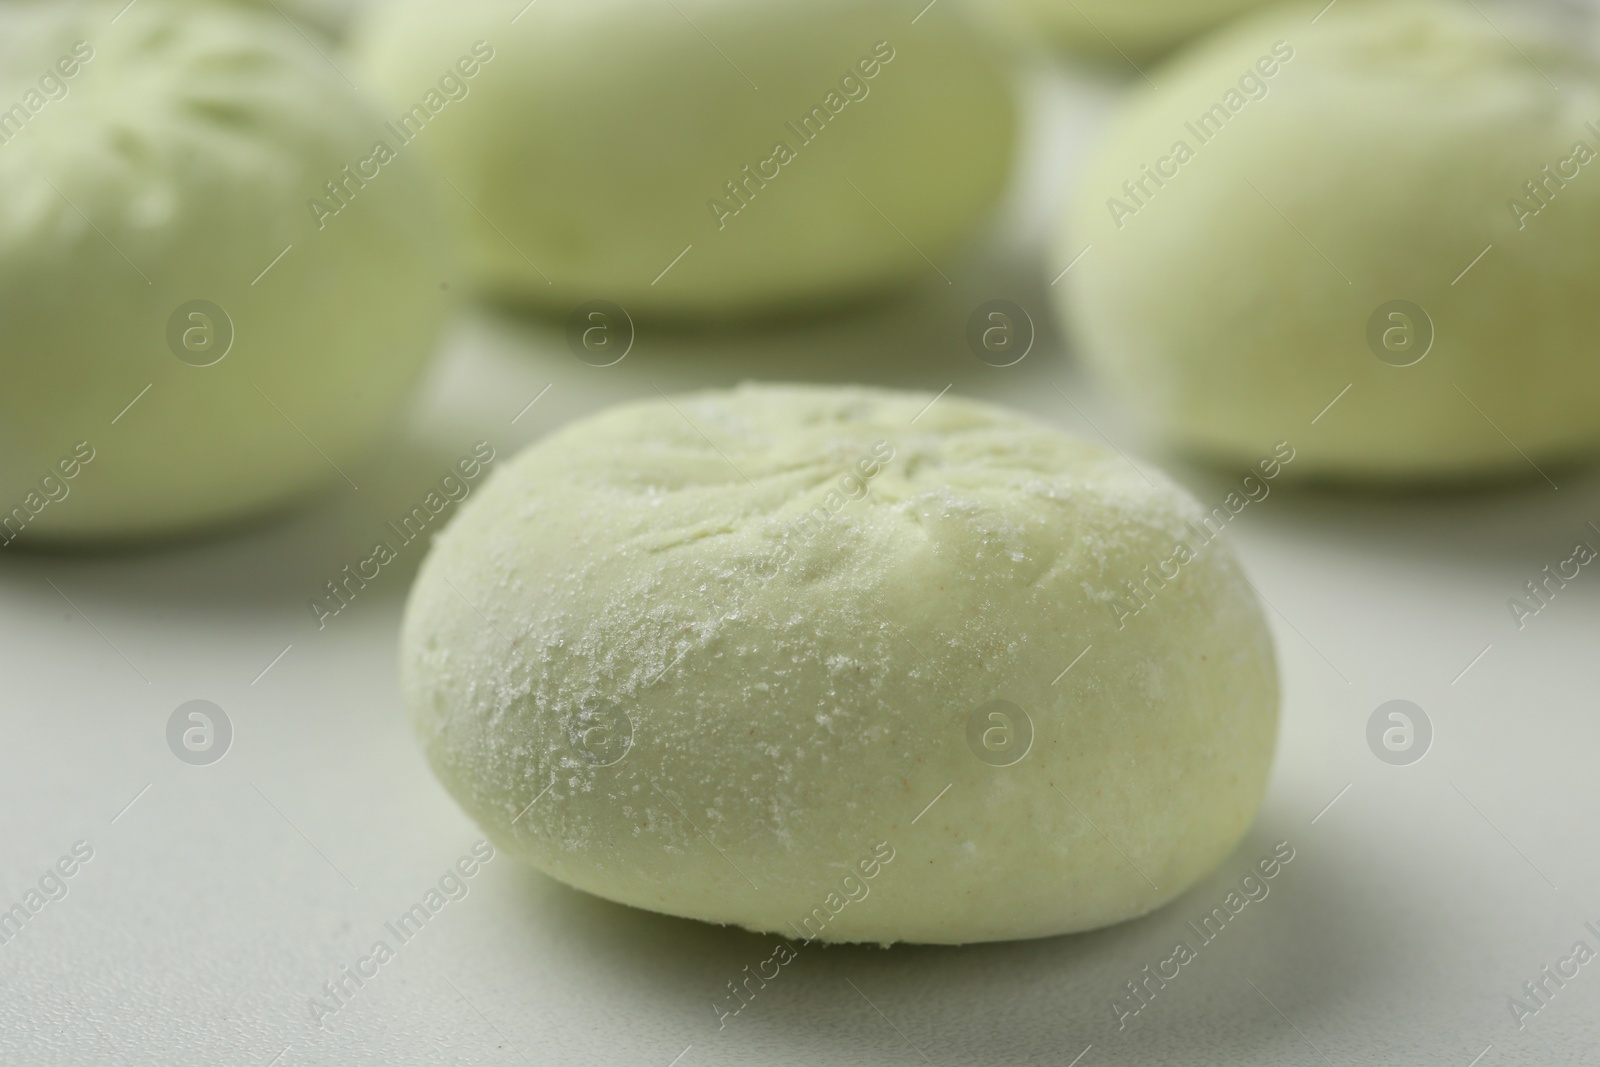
(838, 664)
(712, 158)
(1372, 236)
(185, 338)
(1132, 29)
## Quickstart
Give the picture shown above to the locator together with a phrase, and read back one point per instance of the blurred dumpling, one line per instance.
(708, 158)
(219, 274)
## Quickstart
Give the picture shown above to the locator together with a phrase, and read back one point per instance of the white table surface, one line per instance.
(224, 896)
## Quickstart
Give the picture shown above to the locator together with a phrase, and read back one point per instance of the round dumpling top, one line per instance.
(1370, 236)
(1129, 29)
(714, 655)
(703, 158)
(213, 281)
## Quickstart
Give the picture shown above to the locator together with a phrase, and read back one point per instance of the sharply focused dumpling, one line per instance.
(838, 664)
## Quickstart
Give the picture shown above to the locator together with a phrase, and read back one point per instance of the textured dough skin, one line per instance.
(594, 140)
(1113, 29)
(798, 722)
(1393, 140)
(192, 141)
